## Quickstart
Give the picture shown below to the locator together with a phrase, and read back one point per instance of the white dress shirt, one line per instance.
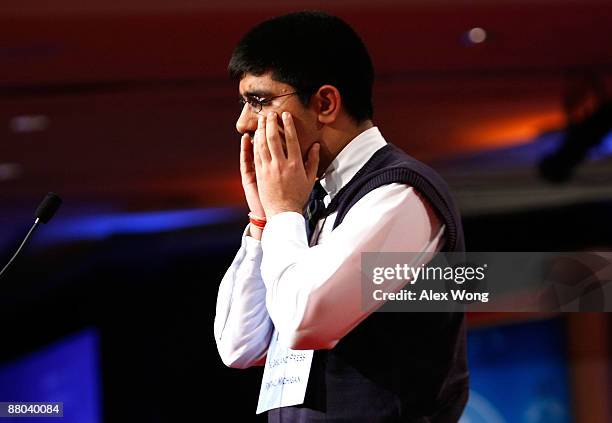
(312, 294)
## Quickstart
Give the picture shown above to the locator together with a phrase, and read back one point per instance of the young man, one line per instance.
(291, 300)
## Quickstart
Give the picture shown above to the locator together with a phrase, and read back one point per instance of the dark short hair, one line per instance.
(307, 50)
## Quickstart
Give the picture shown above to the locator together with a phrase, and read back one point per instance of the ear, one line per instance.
(327, 102)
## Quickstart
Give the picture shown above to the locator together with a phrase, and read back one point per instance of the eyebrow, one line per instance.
(257, 93)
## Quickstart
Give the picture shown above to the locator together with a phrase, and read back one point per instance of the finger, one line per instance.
(273, 137)
(256, 156)
(312, 163)
(261, 144)
(246, 154)
(291, 139)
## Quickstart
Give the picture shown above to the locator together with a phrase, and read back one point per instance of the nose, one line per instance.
(247, 122)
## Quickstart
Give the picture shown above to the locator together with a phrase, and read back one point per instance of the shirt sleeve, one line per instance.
(313, 294)
(242, 325)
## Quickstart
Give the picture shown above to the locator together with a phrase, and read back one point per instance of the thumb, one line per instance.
(312, 162)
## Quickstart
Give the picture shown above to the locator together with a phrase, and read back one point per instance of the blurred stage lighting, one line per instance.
(477, 35)
(29, 123)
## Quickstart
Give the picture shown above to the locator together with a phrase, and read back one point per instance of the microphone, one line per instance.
(48, 207)
(45, 211)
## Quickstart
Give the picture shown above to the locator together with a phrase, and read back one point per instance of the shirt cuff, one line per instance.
(252, 246)
(283, 238)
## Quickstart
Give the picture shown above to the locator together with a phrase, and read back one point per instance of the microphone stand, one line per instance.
(21, 246)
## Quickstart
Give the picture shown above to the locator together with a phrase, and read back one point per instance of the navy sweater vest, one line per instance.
(392, 367)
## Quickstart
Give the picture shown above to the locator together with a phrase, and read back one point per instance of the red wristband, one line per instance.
(257, 221)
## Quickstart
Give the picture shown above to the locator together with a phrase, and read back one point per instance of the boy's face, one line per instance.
(264, 87)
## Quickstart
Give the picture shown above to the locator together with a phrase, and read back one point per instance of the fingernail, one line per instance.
(271, 115)
(285, 115)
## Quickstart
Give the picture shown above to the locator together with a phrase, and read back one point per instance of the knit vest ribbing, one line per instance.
(390, 164)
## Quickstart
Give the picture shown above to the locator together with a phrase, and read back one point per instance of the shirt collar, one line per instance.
(352, 158)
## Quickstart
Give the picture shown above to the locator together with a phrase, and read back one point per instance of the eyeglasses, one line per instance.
(257, 104)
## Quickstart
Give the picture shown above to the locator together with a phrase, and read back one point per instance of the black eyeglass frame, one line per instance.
(257, 104)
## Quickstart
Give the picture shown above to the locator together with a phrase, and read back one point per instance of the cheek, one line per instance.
(307, 135)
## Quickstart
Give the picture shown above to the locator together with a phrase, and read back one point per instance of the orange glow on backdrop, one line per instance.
(213, 190)
(514, 130)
